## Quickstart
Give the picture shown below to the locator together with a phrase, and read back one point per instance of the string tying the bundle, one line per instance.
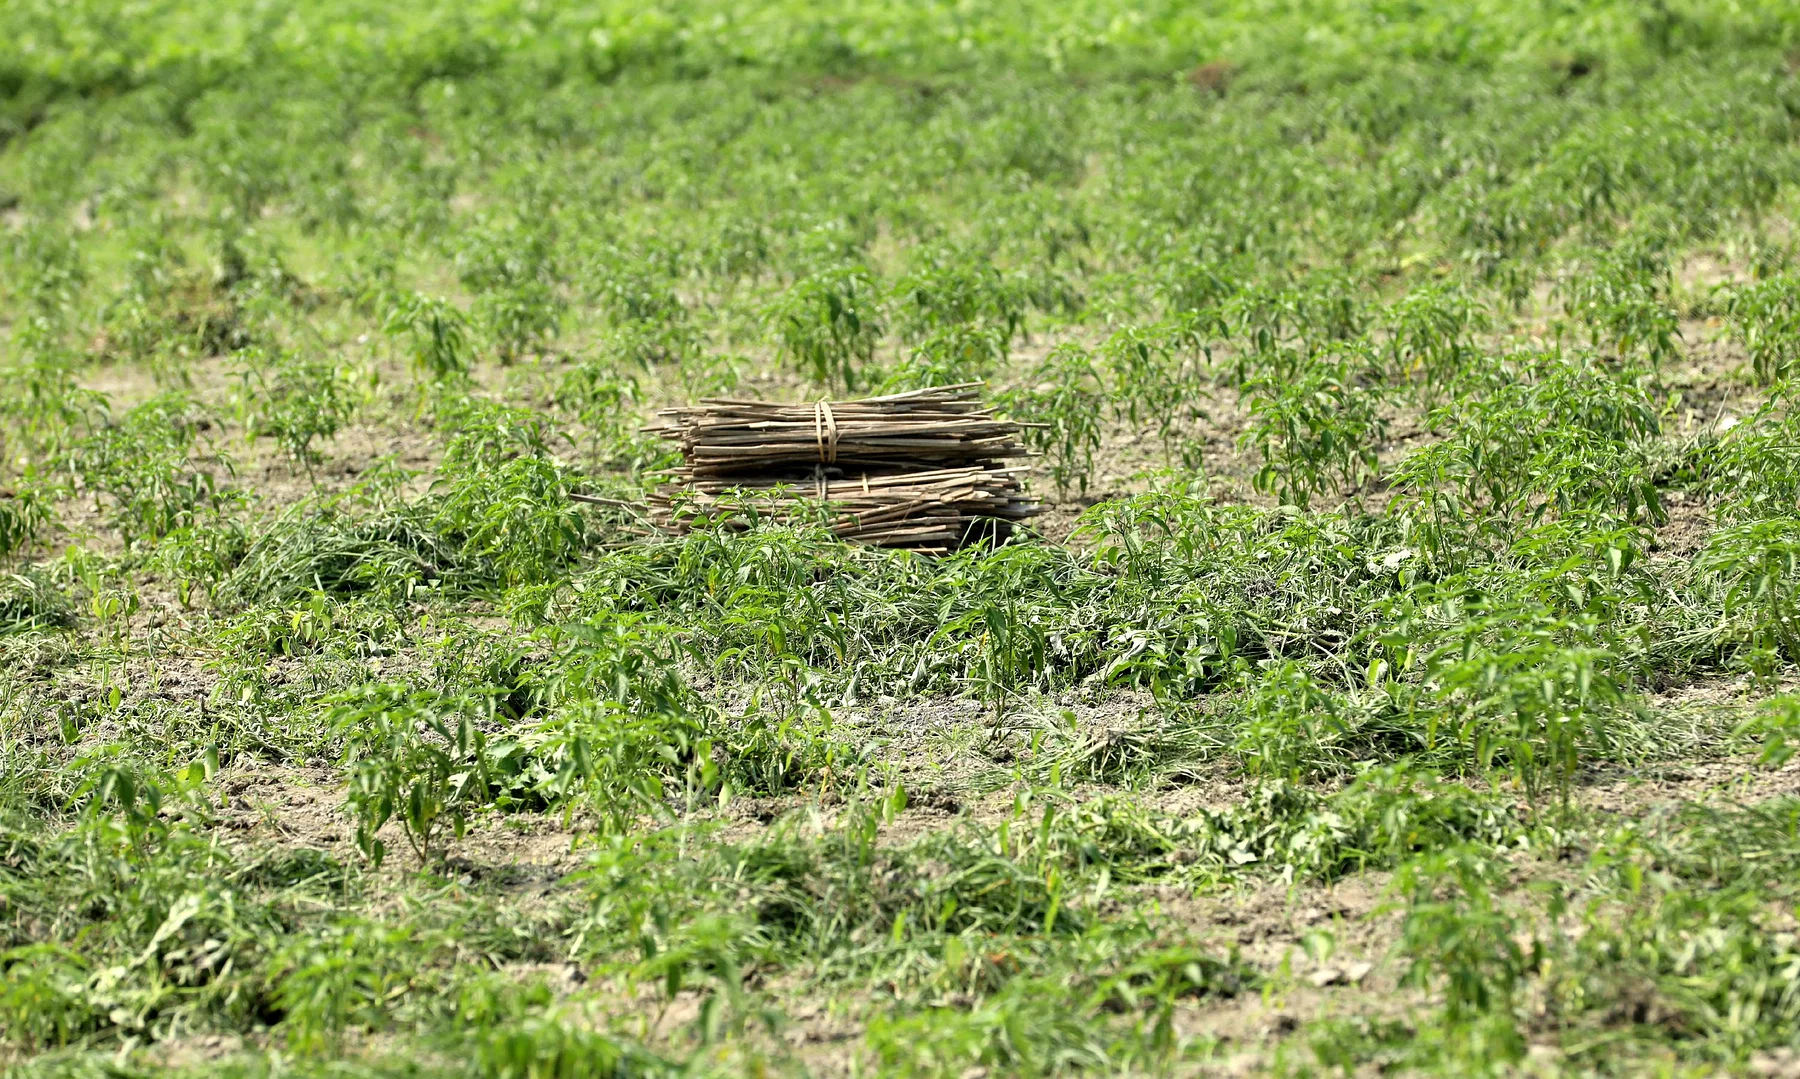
(825, 432)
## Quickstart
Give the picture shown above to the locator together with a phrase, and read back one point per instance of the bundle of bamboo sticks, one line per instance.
(923, 470)
(945, 425)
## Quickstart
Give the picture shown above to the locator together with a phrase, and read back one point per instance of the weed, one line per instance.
(1705, 963)
(393, 555)
(29, 600)
(1777, 724)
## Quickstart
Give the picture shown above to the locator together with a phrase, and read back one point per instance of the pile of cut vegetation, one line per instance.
(926, 470)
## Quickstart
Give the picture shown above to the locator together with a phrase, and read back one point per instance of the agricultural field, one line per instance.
(1401, 678)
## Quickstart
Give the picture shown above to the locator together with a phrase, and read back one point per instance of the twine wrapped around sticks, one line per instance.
(826, 432)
